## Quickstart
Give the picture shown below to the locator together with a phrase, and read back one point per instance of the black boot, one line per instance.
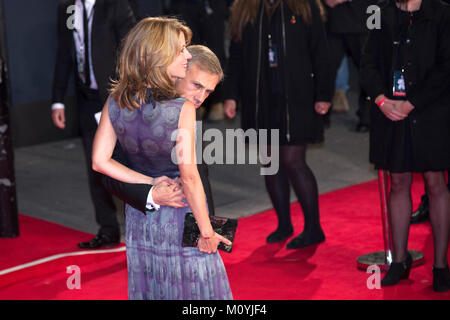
(397, 271)
(280, 234)
(304, 239)
(441, 279)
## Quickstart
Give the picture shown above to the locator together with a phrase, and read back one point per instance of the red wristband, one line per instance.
(381, 102)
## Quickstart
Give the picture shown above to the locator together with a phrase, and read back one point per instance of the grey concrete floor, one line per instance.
(52, 183)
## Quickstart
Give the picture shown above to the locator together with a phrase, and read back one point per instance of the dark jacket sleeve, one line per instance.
(64, 56)
(370, 77)
(431, 88)
(318, 45)
(233, 71)
(133, 194)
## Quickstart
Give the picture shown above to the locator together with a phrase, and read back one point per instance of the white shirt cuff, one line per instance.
(57, 105)
(150, 204)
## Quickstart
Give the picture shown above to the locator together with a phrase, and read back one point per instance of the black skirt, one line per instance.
(400, 157)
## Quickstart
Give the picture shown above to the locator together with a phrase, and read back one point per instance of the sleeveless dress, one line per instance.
(158, 266)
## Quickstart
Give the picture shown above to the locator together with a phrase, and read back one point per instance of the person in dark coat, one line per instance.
(405, 68)
(279, 71)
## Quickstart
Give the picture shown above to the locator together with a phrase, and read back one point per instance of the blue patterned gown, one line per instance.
(158, 266)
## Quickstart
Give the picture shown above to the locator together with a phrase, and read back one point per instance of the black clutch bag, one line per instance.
(224, 226)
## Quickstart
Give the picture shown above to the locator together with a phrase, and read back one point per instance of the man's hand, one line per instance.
(168, 194)
(229, 108)
(59, 118)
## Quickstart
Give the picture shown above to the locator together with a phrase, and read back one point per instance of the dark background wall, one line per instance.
(31, 49)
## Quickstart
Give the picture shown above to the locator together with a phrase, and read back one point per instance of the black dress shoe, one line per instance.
(100, 240)
(279, 235)
(421, 214)
(362, 128)
(306, 239)
(397, 271)
(441, 279)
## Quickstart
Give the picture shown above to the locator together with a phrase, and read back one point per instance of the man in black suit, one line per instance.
(92, 58)
(203, 74)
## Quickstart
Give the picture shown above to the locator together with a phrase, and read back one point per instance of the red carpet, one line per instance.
(350, 218)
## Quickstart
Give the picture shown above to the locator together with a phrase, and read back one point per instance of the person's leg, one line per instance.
(336, 47)
(422, 212)
(439, 202)
(399, 214)
(400, 204)
(340, 102)
(342, 77)
(278, 188)
(354, 44)
(293, 159)
(448, 180)
(105, 209)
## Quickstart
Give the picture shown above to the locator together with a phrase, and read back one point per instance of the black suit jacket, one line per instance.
(133, 194)
(111, 22)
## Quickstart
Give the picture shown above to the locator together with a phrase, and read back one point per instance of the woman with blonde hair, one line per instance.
(144, 113)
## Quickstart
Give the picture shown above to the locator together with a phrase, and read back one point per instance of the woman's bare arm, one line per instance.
(190, 179)
(102, 150)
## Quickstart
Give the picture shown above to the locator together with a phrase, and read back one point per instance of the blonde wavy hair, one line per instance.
(148, 49)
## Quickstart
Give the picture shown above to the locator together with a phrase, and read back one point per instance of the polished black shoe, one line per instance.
(441, 279)
(100, 240)
(397, 271)
(304, 240)
(421, 214)
(362, 128)
(279, 235)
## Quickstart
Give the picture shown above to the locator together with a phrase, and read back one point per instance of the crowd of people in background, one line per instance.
(286, 65)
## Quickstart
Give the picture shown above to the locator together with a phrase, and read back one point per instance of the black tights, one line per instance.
(400, 206)
(293, 169)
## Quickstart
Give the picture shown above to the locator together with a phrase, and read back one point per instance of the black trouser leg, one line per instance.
(354, 44)
(336, 46)
(105, 209)
(337, 49)
(204, 175)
